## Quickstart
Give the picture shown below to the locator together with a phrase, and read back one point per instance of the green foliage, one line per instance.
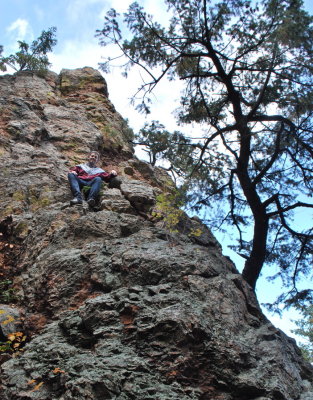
(127, 130)
(155, 138)
(2, 66)
(31, 57)
(85, 190)
(305, 329)
(13, 344)
(247, 69)
(174, 147)
(7, 293)
(167, 208)
(5, 347)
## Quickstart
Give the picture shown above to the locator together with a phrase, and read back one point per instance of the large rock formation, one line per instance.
(114, 305)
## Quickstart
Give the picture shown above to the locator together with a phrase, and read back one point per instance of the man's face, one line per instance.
(93, 158)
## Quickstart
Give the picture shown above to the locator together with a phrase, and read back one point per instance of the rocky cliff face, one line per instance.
(110, 304)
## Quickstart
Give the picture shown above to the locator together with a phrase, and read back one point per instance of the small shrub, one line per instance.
(13, 344)
(7, 293)
(167, 209)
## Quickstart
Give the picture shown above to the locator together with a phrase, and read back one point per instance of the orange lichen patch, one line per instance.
(127, 319)
(81, 301)
(128, 315)
(172, 373)
(8, 320)
(85, 292)
(37, 387)
(58, 370)
(35, 322)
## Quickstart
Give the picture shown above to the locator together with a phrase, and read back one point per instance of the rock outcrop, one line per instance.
(112, 304)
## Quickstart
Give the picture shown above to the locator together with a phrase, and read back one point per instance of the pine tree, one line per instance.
(31, 57)
(305, 329)
(247, 69)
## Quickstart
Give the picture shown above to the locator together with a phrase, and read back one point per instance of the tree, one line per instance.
(305, 329)
(156, 140)
(161, 144)
(32, 57)
(247, 71)
(2, 67)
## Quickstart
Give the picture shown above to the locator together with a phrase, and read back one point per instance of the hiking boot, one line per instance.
(76, 201)
(91, 202)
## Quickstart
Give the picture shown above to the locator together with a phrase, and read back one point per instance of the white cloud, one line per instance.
(75, 54)
(120, 6)
(79, 8)
(20, 28)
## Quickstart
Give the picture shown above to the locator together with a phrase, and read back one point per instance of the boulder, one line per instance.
(140, 194)
(10, 320)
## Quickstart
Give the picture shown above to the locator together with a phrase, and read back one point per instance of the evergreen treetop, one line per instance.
(31, 57)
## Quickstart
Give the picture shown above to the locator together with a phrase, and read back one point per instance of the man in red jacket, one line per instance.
(88, 174)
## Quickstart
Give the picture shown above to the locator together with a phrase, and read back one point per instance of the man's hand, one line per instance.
(113, 172)
(73, 172)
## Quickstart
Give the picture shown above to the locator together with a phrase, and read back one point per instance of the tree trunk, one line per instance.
(257, 256)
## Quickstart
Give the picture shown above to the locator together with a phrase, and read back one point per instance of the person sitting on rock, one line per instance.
(88, 174)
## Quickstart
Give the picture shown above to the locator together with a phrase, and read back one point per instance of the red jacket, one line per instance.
(88, 173)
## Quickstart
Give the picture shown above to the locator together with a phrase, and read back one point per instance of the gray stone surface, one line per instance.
(139, 193)
(114, 305)
(113, 199)
(10, 320)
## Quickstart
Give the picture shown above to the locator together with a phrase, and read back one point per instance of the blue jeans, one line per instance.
(77, 183)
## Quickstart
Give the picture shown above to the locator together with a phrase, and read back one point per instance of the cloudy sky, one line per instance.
(76, 22)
